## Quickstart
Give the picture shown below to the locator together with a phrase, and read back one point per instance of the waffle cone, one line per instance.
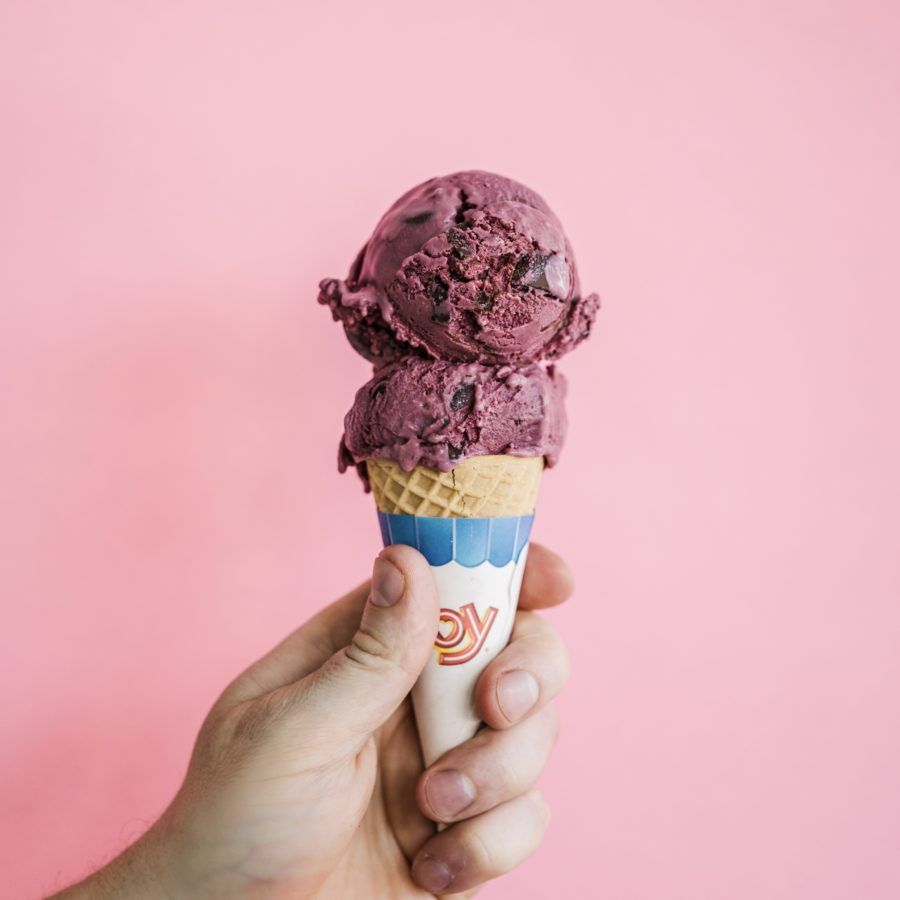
(480, 487)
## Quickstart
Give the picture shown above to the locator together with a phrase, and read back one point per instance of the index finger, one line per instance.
(547, 580)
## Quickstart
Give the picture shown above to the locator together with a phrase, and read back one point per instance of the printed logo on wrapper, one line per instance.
(477, 566)
(466, 635)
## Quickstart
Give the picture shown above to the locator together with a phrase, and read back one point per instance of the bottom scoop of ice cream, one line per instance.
(420, 412)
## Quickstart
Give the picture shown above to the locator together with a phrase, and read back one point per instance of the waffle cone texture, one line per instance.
(485, 487)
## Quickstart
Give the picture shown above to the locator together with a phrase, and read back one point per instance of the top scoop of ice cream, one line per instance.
(471, 267)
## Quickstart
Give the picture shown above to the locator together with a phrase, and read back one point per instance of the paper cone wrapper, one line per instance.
(472, 525)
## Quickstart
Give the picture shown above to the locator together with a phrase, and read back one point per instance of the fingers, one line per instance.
(547, 580)
(472, 852)
(488, 770)
(528, 673)
(358, 687)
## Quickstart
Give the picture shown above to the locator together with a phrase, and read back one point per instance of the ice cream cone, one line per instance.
(472, 524)
(481, 487)
(463, 298)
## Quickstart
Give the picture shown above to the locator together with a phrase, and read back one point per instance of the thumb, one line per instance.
(361, 685)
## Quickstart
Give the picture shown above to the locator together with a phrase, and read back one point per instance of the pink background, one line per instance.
(176, 177)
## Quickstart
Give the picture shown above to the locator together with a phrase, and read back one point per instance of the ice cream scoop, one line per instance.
(469, 267)
(421, 412)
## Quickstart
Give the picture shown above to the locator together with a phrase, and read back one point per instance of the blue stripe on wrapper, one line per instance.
(469, 541)
(435, 539)
(472, 541)
(402, 530)
(503, 541)
(385, 534)
(523, 534)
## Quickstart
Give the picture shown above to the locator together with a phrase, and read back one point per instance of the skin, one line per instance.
(306, 780)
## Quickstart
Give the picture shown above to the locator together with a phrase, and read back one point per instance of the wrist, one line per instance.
(193, 862)
(149, 867)
(141, 872)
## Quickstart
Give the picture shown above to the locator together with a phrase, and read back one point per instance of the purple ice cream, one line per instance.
(470, 267)
(466, 286)
(421, 412)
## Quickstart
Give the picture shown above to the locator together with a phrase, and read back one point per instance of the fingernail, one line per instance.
(449, 792)
(517, 692)
(387, 583)
(431, 874)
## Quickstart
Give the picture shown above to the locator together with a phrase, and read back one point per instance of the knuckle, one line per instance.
(251, 724)
(541, 807)
(369, 650)
(507, 773)
(544, 646)
(253, 721)
(224, 737)
(480, 859)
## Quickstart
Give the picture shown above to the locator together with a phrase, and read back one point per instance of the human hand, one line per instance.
(307, 779)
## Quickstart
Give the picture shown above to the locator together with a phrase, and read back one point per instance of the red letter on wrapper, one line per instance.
(466, 629)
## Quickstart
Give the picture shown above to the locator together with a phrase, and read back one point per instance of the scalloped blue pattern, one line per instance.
(470, 542)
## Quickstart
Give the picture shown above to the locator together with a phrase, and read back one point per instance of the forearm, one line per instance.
(141, 872)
